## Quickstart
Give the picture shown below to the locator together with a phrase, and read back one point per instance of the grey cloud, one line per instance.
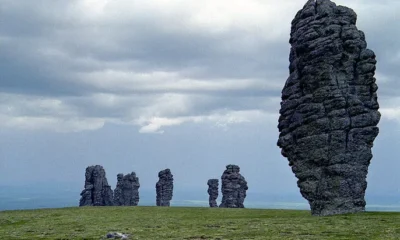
(23, 70)
(30, 19)
(50, 51)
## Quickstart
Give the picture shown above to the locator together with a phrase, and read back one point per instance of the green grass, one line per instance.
(194, 223)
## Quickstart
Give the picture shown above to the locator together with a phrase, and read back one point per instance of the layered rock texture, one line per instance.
(213, 192)
(329, 108)
(126, 192)
(164, 188)
(234, 187)
(97, 192)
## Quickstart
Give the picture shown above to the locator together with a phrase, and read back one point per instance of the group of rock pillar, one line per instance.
(234, 187)
(328, 121)
(97, 191)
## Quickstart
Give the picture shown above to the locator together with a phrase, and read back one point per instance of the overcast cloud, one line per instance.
(157, 66)
(75, 65)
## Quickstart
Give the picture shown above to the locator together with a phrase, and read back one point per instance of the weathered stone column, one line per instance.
(164, 188)
(329, 109)
(213, 192)
(234, 188)
(97, 192)
(126, 192)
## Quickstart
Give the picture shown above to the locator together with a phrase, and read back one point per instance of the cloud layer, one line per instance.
(76, 65)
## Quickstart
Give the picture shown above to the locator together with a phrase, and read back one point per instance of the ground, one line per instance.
(194, 223)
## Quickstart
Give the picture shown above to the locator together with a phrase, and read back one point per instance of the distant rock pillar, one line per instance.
(97, 192)
(213, 192)
(234, 187)
(164, 188)
(126, 192)
(118, 191)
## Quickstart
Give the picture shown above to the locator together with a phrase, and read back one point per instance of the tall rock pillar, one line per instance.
(164, 188)
(97, 191)
(212, 192)
(126, 192)
(329, 109)
(234, 187)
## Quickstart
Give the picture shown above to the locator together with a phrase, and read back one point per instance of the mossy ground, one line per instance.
(194, 223)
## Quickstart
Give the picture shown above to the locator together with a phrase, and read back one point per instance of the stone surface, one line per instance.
(116, 235)
(126, 192)
(97, 192)
(164, 188)
(234, 187)
(213, 192)
(329, 108)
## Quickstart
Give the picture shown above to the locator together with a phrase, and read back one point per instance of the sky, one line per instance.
(188, 85)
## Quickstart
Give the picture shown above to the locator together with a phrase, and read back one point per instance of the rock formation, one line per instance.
(329, 108)
(97, 192)
(213, 192)
(117, 235)
(234, 188)
(126, 192)
(164, 188)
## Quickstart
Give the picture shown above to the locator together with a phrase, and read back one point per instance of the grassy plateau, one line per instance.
(194, 223)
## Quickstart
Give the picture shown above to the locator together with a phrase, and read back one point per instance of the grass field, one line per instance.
(194, 223)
